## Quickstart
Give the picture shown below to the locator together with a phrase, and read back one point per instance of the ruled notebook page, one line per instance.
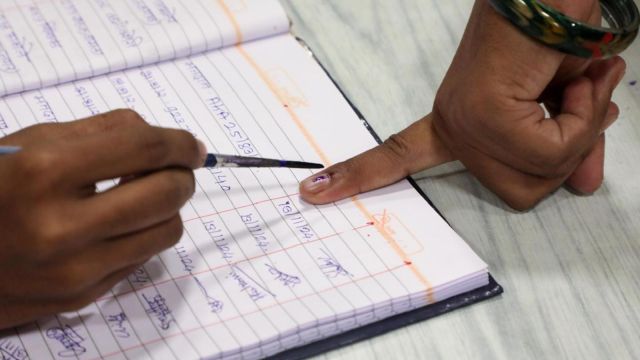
(55, 41)
(257, 271)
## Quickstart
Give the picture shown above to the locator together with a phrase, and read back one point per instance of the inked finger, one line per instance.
(416, 148)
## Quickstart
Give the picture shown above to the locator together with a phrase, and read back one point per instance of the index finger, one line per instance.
(128, 151)
(66, 131)
(414, 149)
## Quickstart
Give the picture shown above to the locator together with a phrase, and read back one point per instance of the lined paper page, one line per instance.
(55, 41)
(257, 271)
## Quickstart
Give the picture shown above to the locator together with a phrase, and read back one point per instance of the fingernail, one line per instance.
(316, 183)
(202, 149)
(577, 192)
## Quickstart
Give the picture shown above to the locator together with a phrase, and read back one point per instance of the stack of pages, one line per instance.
(258, 271)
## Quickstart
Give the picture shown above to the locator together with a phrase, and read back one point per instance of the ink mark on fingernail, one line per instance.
(321, 178)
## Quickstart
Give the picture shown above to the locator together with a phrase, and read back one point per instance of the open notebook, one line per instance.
(258, 271)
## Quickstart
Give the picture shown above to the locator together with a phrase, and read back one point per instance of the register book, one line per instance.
(258, 271)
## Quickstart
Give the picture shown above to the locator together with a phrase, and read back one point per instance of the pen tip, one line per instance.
(302, 165)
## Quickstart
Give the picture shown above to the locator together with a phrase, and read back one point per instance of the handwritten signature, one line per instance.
(11, 351)
(248, 285)
(157, 307)
(117, 324)
(286, 279)
(215, 305)
(331, 267)
(69, 339)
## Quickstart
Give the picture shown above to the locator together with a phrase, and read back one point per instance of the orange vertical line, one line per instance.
(233, 19)
(325, 159)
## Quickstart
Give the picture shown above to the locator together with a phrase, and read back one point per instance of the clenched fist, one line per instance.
(489, 114)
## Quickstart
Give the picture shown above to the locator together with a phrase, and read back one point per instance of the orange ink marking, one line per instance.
(393, 225)
(287, 88)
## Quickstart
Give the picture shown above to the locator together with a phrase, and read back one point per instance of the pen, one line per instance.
(220, 160)
(5, 150)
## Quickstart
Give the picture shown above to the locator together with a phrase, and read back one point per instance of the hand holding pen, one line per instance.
(63, 244)
(222, 160)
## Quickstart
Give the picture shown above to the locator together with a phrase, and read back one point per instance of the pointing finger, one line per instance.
(416, 148)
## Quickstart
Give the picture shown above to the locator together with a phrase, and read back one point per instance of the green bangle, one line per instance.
(563, 33)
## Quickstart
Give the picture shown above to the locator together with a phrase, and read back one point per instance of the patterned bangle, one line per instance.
(560, 32)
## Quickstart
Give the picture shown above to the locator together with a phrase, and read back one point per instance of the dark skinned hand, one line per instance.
(488, 113)
(64, 244)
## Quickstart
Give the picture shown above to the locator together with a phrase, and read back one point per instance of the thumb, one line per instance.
(416, 148)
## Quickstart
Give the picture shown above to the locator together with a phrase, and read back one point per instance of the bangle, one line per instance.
(570, 36)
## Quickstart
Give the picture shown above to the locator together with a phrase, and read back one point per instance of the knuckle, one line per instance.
(43, 165)
(127, 117)
(523, 201)
(52, 236)
(155, 147)
(47, 242)
(397, 147)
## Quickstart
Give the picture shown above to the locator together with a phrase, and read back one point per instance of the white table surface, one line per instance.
(570, 267)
